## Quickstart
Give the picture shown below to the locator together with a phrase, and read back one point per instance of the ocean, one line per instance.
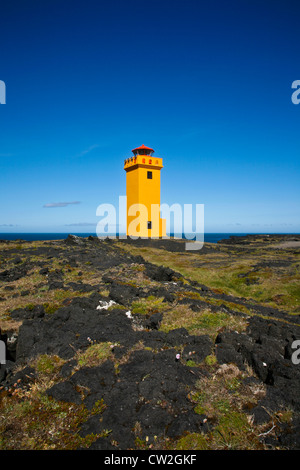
(208, 237)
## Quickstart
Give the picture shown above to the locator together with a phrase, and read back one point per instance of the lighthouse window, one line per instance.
(149, 175)
(149, 224)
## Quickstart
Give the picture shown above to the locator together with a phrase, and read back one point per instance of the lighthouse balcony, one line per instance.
(143, 160)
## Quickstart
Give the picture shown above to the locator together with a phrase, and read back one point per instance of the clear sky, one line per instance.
(207, 84)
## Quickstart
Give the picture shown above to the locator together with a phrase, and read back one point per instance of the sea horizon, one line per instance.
(211, 237)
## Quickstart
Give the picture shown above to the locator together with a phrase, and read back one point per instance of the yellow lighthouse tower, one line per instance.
(143, 194)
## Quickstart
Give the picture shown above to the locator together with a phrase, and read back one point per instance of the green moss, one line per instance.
(192, 441)
(29, 307)
(222, 405)
(199, 399)
(189, 295)
(211, 360)
(147, 306)
(191, 363)
(233, 384)
(199, 409)
(184, 281)
(41, 423)
(51, 308)
(235, 274)
(211, 320)
(141, 444)
(235, 432)
(95, 354)
(47, 364)
(61, 294)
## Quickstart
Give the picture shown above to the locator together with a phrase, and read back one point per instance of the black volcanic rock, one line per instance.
(266, 348)
(74, 240)
(13, 274)
(145, 381)
(161, 273)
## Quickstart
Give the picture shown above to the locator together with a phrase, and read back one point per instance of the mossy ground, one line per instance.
(253, 273)
(32, 420)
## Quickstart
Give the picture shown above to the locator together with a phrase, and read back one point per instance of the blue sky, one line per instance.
(207, 84)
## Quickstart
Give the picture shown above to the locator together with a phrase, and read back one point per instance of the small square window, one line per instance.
(149, 225)
(149, 175)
